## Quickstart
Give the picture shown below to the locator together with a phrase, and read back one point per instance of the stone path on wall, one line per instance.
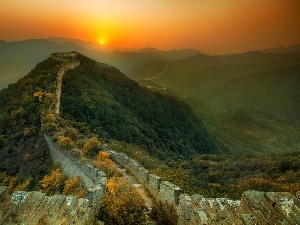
(148, 202)
(254, 208)
(60, 75)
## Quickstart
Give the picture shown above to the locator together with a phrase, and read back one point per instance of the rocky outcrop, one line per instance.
(254, 207)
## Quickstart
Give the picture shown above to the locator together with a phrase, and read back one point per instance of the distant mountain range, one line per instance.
(250, 101)
(15, 61)
(18, 57)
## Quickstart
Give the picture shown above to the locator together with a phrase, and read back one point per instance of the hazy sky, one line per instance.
(212, 26)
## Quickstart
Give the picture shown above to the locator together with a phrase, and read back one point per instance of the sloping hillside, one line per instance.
(23, 151)
(258, 112)
(100, 98)
(193, 75)
(97, 99)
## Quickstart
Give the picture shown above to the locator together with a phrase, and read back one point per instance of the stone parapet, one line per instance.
(93, 179)
(30, 208)
(255, 207)
(164, 190)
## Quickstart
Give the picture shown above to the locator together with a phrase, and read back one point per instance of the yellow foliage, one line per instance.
(105, 164)
(74, 187)
(27, 131)
(53, 183)
(91, 146)
(71, 132)
(122, 203)
(12, 183)
(39, 94)
(48, 98)
(17, 112)
(65, 142)
(50, 117)
(102, 156)
(27, 157)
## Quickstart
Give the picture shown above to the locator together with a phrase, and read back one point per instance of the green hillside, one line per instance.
(258, 112)
(24, 154)
(193, 75)
(159, 131)
(99, 98)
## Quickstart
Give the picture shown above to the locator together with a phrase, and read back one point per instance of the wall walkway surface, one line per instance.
(254, 207)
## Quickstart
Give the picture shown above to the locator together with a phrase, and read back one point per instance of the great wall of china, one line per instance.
(30, 208)
(254, 207)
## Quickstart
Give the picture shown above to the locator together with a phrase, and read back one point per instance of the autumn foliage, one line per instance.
(105, 164)
(56, 182)
(74, 187)
(92, 146)
(65, 142)
(53, 183)
(122, 204)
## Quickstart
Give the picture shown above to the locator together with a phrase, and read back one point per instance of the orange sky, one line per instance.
(212, 26)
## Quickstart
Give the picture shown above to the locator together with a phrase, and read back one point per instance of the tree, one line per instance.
(65, 142)
(39, 94)
(74, 187)
(92, 146)
(122, 204)
(71, 132)
(164, 214)
(105, 164)
(53, 183)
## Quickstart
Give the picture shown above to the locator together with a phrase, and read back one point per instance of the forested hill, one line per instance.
(99, 98)
(23, 151)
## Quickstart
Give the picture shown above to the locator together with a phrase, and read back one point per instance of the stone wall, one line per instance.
(93, 179)
(254, 207)
(163, 190)
(30, 208)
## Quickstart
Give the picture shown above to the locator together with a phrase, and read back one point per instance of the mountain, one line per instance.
(97, 99)
(24, 153)
(102, 99)
(282, 49)
(249, 101)
(15, 61)
(192, 75)
(18, 57)
(173, 54)
(256, 112)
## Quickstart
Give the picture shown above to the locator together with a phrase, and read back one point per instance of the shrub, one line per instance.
(65, 142)
(164, 214)
(92, 147)
(105, 164)
(53, 183)
(74, 187)
(122, 204)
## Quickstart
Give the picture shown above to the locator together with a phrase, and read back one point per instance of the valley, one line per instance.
(194, 159)
(150, 112)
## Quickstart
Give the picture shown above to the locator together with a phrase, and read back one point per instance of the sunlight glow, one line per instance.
(102, 42)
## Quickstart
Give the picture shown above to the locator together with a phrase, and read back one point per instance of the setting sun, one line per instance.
(101, 42)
